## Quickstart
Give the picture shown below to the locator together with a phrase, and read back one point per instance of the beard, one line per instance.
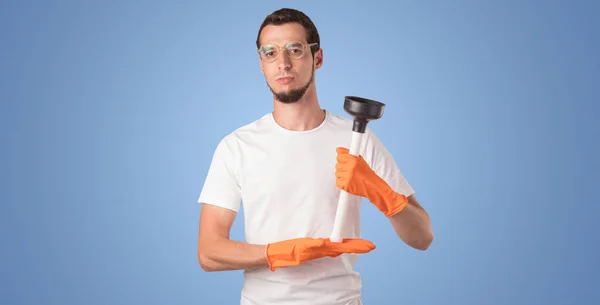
(294, 95)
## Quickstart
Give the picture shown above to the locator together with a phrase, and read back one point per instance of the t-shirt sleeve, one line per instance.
(221, 186)
(383, 163)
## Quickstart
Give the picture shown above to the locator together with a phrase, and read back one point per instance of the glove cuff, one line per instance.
(388, 201)
(269, 260)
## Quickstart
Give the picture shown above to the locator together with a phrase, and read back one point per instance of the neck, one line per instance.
(305, 114)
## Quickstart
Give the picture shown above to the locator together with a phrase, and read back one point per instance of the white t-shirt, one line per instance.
(286, 182)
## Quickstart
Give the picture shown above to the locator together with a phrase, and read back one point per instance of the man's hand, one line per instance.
(409, 219)
(355, 176)
(294, 252)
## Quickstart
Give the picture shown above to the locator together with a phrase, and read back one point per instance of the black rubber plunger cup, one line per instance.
(363, 111)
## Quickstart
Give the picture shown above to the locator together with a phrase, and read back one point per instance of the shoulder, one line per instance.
(233, 138)
(337, 121)
(345, 124)
(258, 125)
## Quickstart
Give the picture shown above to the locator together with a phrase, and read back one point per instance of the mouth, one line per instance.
(284, 79)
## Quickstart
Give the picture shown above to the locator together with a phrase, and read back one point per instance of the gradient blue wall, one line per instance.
(111, 111)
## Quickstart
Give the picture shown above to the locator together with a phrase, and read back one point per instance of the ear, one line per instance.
(318, 58)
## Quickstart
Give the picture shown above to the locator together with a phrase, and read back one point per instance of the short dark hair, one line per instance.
(289, 15)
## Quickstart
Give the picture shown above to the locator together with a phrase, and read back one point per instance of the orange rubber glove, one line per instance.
(296, 251)
(355, 176)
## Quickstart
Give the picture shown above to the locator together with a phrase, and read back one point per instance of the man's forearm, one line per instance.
(224, 254)
(413, 225)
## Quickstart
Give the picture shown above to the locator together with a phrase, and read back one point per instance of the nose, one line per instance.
(284, 61)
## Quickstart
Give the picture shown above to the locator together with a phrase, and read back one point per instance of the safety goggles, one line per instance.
(294, 50)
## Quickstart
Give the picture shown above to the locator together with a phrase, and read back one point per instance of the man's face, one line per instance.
(288, 78)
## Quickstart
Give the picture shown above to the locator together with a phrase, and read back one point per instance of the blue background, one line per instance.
(111, 111)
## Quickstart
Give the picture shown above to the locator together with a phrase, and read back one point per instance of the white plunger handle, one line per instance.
(342, 208)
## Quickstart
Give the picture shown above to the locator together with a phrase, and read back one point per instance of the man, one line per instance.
(288, 168)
